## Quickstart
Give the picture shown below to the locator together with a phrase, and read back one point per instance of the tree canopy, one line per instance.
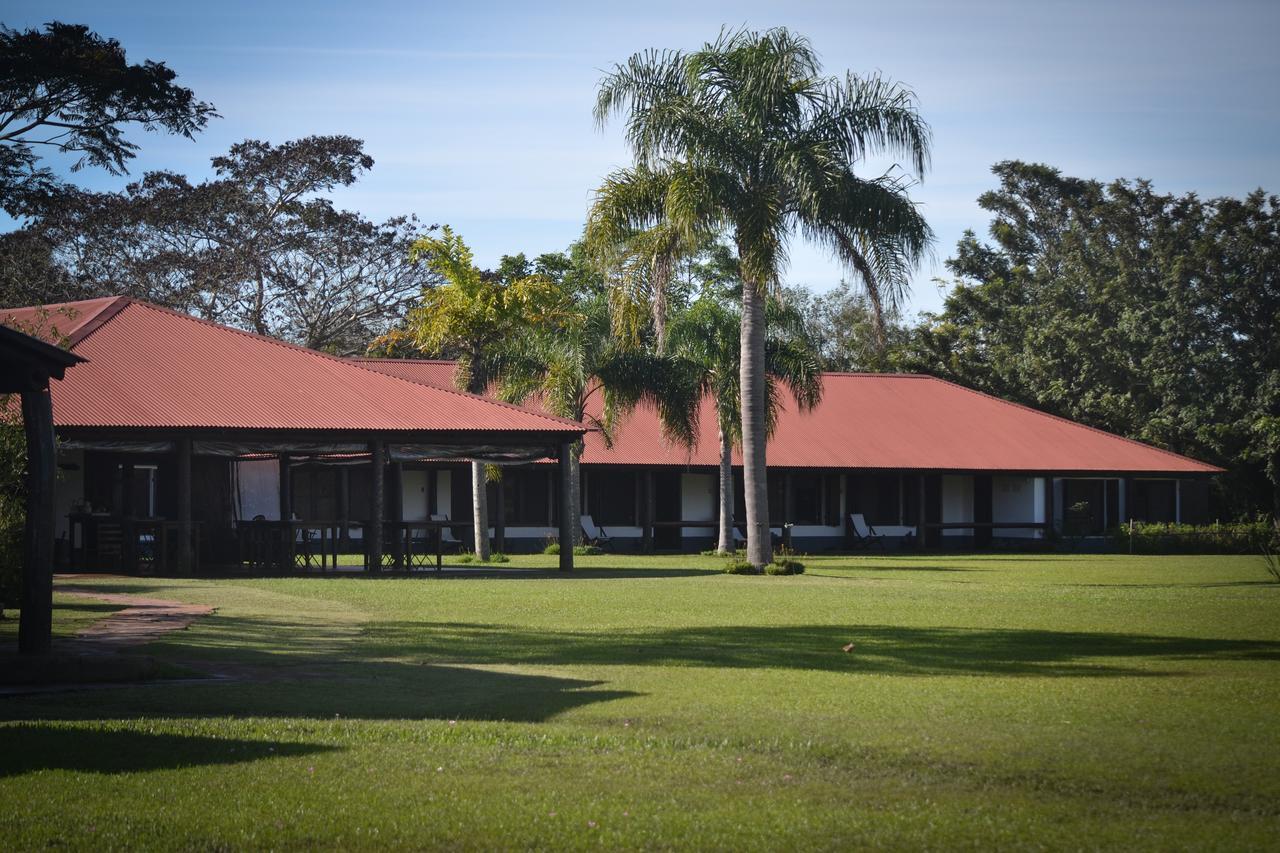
(1151, 315)
(67, 89)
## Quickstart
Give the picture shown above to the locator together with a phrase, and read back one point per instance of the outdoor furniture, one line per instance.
(865, 535)
(446, 533)
(594, 534)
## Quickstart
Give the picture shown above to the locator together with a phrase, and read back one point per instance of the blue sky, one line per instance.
(479, 114)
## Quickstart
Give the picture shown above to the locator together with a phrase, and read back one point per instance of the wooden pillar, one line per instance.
(1177, 501)
(1048, 507)
(396, 511)
(286, 488)
(567, 516)
(788, 507)
(500, 514)
(922, 515)
(377, 499)
(185, 556)
(35, 625)
(344, 507)
(984, 509)
(646, 514)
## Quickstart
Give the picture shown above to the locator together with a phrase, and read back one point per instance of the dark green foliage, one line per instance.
(1150, 315)
(1246, 537)
(784, 566)
(740, 566)
(67, 89)
(499, 557)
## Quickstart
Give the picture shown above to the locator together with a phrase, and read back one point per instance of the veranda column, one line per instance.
(344, 507)
(184, 507)
(567, 516)
(500, 516)
(397, 514)
(377, 499)
(922, 515)
(286, 488)
(646, 516)
(35, 622)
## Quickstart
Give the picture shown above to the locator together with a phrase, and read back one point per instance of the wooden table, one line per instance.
(99, 550)
(402, 552)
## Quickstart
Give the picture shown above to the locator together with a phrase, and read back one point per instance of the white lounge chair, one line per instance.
(446, 533)
(595, 535)
(865, 535)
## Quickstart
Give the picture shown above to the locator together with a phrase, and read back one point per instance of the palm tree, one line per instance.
(471, 317)
(746, 136)
(706, 338)
(569, 359)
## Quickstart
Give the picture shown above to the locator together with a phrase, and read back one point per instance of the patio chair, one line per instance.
(446, 533)
(864, 535)
(594, 534)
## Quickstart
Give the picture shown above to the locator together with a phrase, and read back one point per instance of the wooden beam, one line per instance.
(377, 501)
(185, 556)
(286, 487)
(35, 625)
(567, 516)
(344, 507)
(922, 515)
(646, 517)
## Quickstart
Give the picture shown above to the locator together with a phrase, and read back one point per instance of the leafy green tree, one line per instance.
(67, 89)
(746, 137)
(842, 324)
(473, 317)
(704, 343)
(1146, 314)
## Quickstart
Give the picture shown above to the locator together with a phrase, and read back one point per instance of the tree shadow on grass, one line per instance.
(31, 747)
(881, 649)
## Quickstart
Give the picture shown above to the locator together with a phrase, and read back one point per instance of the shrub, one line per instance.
(466, 557)
(1246, 537)
(740, 567)
(587, 550)
(784, 566)
(553, 548)
(499, 557)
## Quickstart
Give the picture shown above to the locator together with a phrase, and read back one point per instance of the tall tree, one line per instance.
(843, 325)
(473, 317)
(705, 341)
(746, 136)
(1142, 313)
(67, 89)
(259, 246)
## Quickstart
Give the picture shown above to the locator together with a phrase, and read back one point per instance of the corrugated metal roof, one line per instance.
(153, 367)
(885, 421)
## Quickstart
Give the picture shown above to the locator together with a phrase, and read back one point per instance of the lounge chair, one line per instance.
(594, 534)
(864, 535)
(446, 533)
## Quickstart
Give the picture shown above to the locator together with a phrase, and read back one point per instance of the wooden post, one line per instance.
(1048, 507)
(35, 625)
(646, 516)
(286, 488)
(500, 515)
(185, 559)
(923, 515)
(567, 516)
(788, 507)
(397, 514)
(344, 507)
(377, 500)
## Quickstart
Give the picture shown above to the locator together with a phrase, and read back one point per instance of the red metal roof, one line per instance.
(884, 421)
(152, 367)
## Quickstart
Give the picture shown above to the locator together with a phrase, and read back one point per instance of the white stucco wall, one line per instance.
(413, 488)
(259, 483)
(1019, 499)
(957, 502)
(698, 502)
(68, 488)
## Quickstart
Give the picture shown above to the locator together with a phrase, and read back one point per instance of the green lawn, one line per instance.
(1055, 701)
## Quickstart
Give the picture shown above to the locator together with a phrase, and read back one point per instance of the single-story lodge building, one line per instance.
(248, 451)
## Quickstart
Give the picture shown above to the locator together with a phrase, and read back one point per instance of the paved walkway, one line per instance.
(140, 622)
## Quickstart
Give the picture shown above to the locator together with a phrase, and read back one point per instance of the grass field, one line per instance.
(1054, 701)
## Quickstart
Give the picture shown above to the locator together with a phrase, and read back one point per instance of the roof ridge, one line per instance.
(343, 361)
(1061, 419)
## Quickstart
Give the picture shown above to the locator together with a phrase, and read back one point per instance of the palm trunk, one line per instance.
(575, 488)
(755, 488)
(661, 281)
(726, 495)
(480, 510)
